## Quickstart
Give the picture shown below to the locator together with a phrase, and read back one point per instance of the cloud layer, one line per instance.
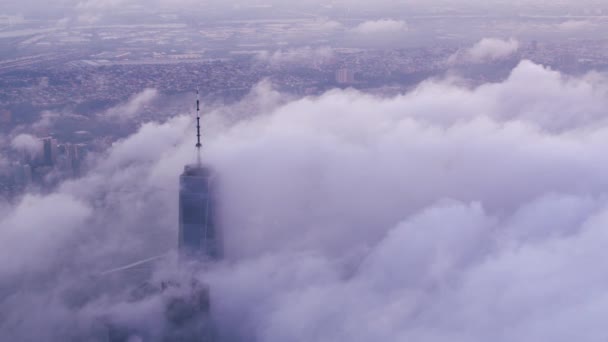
(446, 214)
(443, 214)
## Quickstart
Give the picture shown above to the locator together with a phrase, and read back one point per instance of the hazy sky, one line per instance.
(387, 7)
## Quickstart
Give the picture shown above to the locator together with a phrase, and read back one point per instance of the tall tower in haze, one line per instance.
(198, 231)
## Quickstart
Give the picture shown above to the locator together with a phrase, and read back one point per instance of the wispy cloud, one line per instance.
(486, 50)
(383, 26)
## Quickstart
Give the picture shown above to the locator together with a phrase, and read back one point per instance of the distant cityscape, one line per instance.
(88, 82)
(56, 161)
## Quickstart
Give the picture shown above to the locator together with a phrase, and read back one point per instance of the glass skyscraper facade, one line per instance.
(198, 235)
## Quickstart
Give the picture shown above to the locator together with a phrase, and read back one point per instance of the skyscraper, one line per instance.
(186, 301)
(345, 76)
(5, 117)
(49, 151)
(198, 233)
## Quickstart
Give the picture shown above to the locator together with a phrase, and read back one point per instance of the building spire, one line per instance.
(198, 120)
(198, 128)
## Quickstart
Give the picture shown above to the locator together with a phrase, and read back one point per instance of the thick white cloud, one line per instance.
(33, 235)
(28, 144)
(486, 50)
(443, 214)
(339, 217)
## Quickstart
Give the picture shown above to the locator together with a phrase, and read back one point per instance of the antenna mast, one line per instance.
(198, 127)
(198, 121)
